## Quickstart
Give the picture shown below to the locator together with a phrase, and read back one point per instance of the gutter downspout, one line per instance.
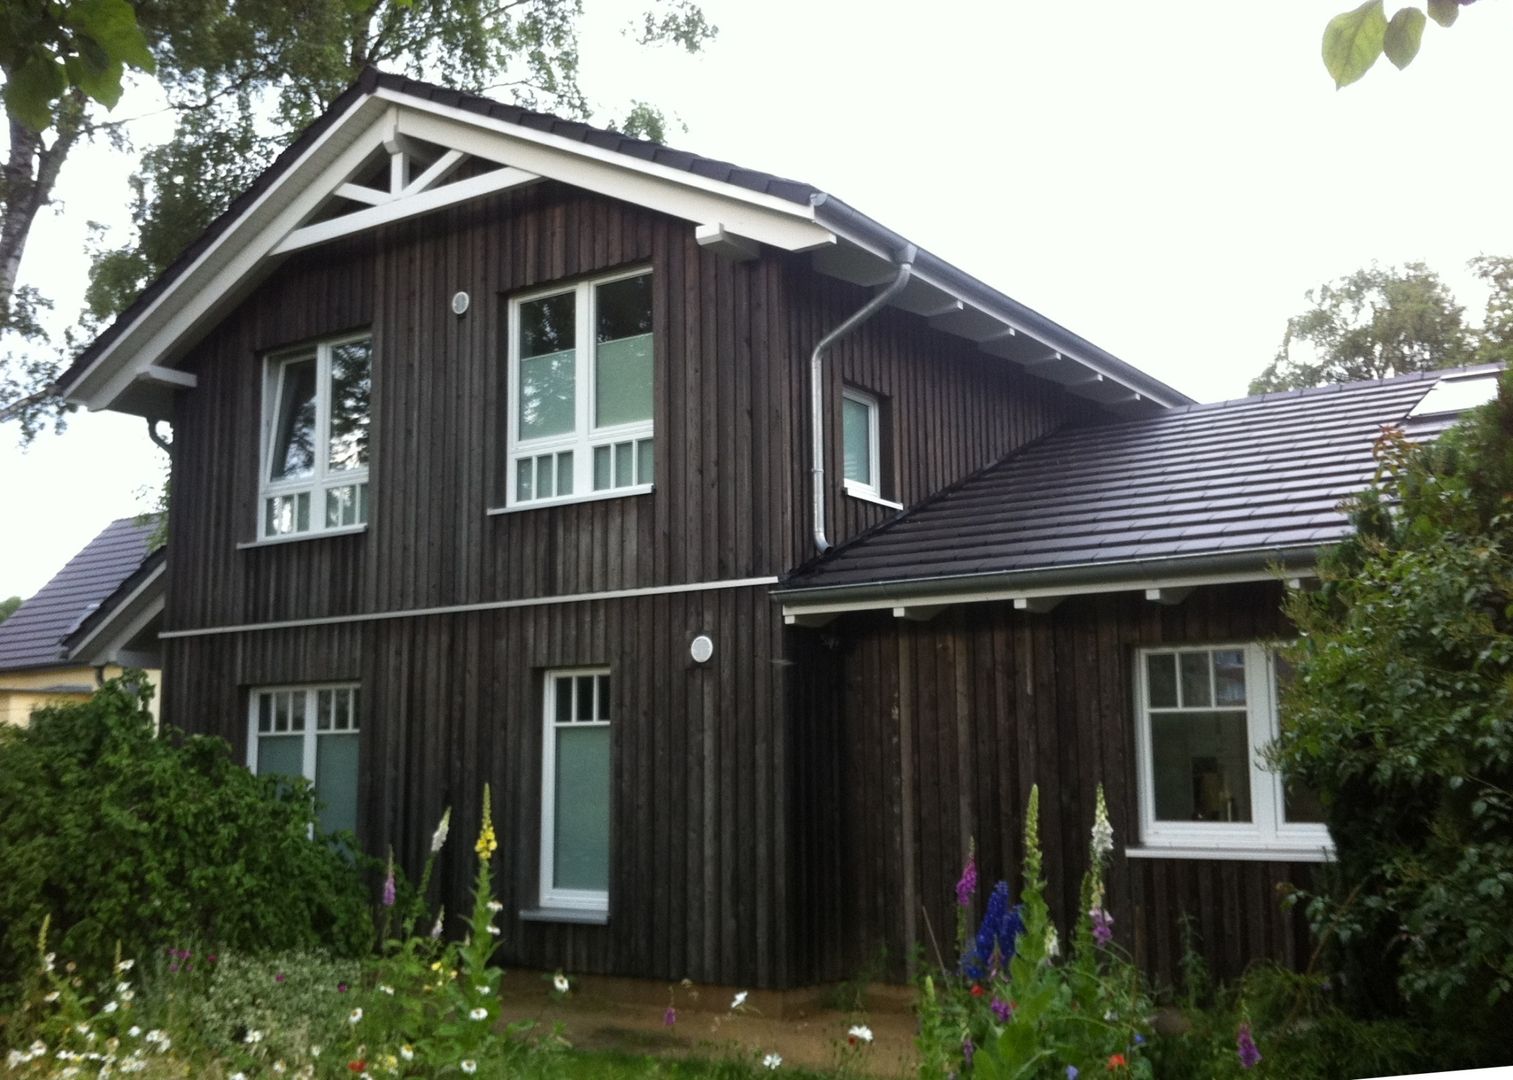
(817, 388)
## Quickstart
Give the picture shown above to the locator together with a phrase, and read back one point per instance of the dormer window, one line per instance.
(581, 391)
(315, 458)
(862, 427)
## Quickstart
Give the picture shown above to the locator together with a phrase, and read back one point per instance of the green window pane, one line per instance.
(525, 472)
(336, 781)
(1161, 679)
(1202, 766)
(281, 755)
(302, 512)
(548, 389)
(625, 464)
(580, 846)
(563, 700)
(1194, 668)
(601, 467)
(857, 439)
(644, 463)
(545, 480)
(622, 381)
(1229, 677)
(565, 473)
(342, 505)
(292, 454)
(351, 385)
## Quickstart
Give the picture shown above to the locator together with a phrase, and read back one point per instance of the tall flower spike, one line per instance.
(1032, 858)
(487, 844)
(439, 837)
(1103, 829)
(388, 894)
(966, 888)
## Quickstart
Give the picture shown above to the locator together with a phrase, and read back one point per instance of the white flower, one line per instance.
(47, 961)
(772, 1061)
(14, 1059)
(110, 1007)
(254, 1036)
(1103, 830)
(50, 998)
(495, 906)
(127, 995)
(469, 1066)
(440, 836)
(560, 983)
(125, 965)
(82, 1029)
(133, 1031)
(861, 1033)
(354, 1016)
(740, 999)
(315, 1051)
(384, 988)
(164, 1044)
(280, 1068)
(1052, 942)
(494, 930)
(407, 1052)
(238, 1076)
(479, 1014)
(440, 918)
(123, 987)
(153, 1036)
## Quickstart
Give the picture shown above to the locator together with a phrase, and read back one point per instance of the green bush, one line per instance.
(1401, 718)
(158, 842)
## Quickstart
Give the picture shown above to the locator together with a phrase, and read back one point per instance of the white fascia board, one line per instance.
(205, 285)
(968, 591)
(130, 617)
(752, 214)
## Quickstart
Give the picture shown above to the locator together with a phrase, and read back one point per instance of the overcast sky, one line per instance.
(1165, 179)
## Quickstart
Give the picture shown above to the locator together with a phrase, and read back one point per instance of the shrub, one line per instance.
(153, 842)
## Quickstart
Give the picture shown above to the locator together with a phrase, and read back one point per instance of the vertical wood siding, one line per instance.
(973, 708)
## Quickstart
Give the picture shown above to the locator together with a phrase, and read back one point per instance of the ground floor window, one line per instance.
(310, 731)
(1205, 717)
(575, 791)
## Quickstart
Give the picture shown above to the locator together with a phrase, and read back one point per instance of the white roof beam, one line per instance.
(918, 612)
(715, 237)
(1169, 597)
(809, 619)
(169, 377)
(1038, 604)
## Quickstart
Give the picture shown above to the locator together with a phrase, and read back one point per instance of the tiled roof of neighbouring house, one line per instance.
(32, 637)
(1254, 475)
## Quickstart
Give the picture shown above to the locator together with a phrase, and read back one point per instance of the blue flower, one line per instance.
(1071, 1072)
(995, 942)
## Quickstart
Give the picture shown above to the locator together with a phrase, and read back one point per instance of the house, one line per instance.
(96, 617)
(493, 462)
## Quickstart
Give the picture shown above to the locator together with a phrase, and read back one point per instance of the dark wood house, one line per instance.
(732, 538)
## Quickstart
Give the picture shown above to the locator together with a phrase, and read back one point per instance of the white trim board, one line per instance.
(487, 605)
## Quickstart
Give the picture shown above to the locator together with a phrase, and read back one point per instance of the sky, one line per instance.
(1167, 180)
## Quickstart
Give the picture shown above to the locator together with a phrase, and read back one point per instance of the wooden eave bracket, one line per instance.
(1038, 604)
(919, 612)
(811, 619)
(166, 376)
(1169, 597)
(715, 237)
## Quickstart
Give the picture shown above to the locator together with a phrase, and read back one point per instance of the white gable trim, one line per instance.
(243, 254)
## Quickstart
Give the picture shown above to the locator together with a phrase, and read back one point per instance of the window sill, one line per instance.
(1297, 854)
(565, 915)
(347, 530)
(866, 494)
(569, 500)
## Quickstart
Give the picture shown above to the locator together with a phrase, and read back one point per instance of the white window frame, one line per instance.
(1268, 834)
(312, 733)
(323, 479)
(874, 409)
(593, 901)
(584, 437)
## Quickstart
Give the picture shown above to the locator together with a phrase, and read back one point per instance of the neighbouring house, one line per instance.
(98, 616)
(756, 557)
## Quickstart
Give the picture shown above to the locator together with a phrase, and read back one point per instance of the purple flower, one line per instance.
(280, 977)
(1071, 1072)
(388, 896)
(1139, 1039)
(1002, 1009)
(967, 1050)
(341, 987)
(670, 1017)
(966, 888)
(1250, 1057)
(1103, 926)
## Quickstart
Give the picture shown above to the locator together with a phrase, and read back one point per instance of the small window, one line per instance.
(1205, 716)
(315, 468)
(861, 429)
(575, 791)
(581, 391)
(310, 731)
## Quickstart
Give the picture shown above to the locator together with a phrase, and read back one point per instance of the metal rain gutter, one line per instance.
(817, 388)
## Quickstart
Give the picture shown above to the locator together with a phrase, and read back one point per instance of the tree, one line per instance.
(242, 78)
(8, 607)
(1380, 321)
(1354, 39)
(1400, 717)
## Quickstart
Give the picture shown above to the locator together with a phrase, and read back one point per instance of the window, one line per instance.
(859, 438)
(581, 391)
(310, 731)
(1205, 715)
(315, 471)
(575, 792)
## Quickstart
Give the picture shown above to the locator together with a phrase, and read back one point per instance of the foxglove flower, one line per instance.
(440, 918)
(1103, 925)
(439, 837)
(1103, 829)
(388, 895)
(966, 888)
(967, 1050)
(1245, 1046)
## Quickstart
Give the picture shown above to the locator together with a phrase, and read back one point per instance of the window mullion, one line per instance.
(587, 387)
(1265, 804)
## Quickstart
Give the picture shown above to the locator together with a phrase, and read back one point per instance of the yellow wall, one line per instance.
(23, 691)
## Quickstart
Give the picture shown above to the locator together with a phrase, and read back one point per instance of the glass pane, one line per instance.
(1161, 680)
(1301, 804)
(585, 704)
(341, 506)
(302, 512)
(857, 439)
(265, 712)
(564, 700)
(625, 464)
(297, 711)
(1229, 677)
(351, 383)
(547, 325)
(323, 710)
(525, 471)
(292, 453)
(580, 848)
(624, 309)
(362, 504)
(622, 381)
(565, 473)
(1195, 689)
(601, 467)
(336, 781)
(603, 697)
(644, 463)
(280, 712)
(547, 395)
(1202, 766)
(544, 481)
(281, 755)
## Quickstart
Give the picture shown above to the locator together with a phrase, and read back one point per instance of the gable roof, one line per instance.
(1246, 484)
(33, 636)
(130, 365)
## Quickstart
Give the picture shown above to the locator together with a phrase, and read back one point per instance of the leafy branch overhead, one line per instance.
(1354, 39)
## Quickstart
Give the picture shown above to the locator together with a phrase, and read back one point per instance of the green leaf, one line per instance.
(34, 85)
(1404, 33)
(1444, 11)
(1353, 41)
(112, 25)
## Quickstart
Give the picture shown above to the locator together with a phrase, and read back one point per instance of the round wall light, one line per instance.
(459, 303)
(701, 649)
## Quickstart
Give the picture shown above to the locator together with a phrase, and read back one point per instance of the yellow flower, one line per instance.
(487, 844)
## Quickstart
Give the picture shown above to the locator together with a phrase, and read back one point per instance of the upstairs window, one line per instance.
(581, 391)
(1205, 717)
(315, 466)
(575, 792)
(861, 444)
(310, 731)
